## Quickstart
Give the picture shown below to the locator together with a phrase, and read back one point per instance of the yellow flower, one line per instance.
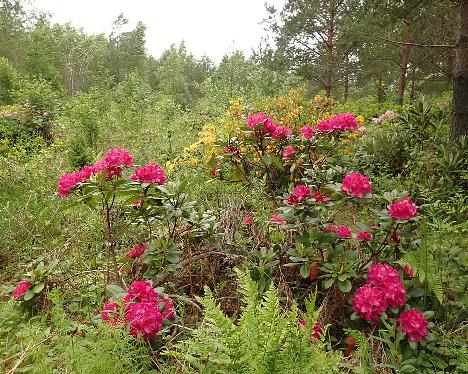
(360, 119)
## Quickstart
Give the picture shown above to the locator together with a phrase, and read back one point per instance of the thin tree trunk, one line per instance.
(380, 93)
(329, 47)
(460, 79)
(407, 38)
(413, 85)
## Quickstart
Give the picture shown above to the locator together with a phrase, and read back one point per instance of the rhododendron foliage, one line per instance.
(369, 303)
(21, 289)
(137, 251)
(403, 209)
(413, 323)
(356, 185)
(151, 173)
(289, 152)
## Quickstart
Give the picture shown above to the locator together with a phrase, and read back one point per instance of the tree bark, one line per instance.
(380, 91)
(407, 38)
(329, 47)
(460, 79)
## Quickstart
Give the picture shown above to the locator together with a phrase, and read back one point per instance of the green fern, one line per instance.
(264, 340)
(426, 267)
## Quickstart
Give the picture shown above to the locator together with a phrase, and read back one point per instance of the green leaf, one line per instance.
(305, 270)
(277, 163)
(114, 292)
(328, 283)
(28, 295)
(345, 286)
(38, 287)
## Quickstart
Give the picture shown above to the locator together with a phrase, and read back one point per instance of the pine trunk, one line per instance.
(407, 37)
(460, 78)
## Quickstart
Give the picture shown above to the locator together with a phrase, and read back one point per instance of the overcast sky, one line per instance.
(211, 27)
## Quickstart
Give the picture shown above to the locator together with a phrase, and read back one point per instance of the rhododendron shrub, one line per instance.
(142, 308)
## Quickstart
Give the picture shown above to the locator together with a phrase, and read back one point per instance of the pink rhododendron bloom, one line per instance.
(144, 319)
(369, 303)
(413, 323)
(302, 192)
(168, 310)
(288, 152)
(356, 185)
(276, 219)
(248, 220)
(137, 251)
(307, 132)
(325, 126)
(402, 209)
(302, 322)
(118, 157)
(344, 122)
(141, 291)
(387, 279)
(342, 231)
(256, 119)
(21, 289)
(364, 236)
(151, 173)
(292, 200)
(321, 198)
(281, 132)
(68, 182)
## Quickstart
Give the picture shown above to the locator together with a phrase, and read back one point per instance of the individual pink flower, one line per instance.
(118, 157)
(68, 182)
(413, 323)
(278, 220)
(364, 236)
(248, 220)
(254, 120)
(369, 303)
(302, 192)
(316, 331)
(110, 313)
(403, 209)
(307, 132)
(151, 173)
(321, 198)
(356, 185)
(292, 200)
(137, 251)
(281, 132)
(21, 289)
(408, 271)
(301, 322)
(342, 231)
(288, 152)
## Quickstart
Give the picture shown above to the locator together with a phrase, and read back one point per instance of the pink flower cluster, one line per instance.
(144, 310)
(151, 173)
(278, 220)
(307, 132)
(364, 236)
(356, 185)
(112, 163)
(21, 289)
(277, 132)
(137, 251)
(288, 152)
(383, 290)
(403, 209)
(413, 323)
(340, 122)
(301, 192)
(387, 116)
(248, 220)
(344, 232)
